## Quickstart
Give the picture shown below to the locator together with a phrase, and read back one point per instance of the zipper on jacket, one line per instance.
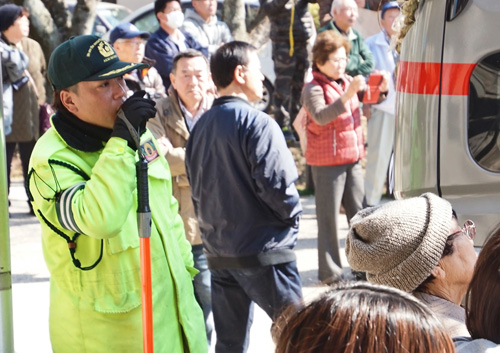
(334, 143)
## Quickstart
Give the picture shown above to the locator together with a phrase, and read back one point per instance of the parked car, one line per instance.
(107, 16)
(145, 19)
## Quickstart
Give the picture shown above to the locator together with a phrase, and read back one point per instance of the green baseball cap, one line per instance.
(86, 58)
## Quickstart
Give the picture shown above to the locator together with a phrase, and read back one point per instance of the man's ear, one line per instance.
(172, 80)
(194, 4)
(161, 17)
(67, 100)
(438, 272)
(116, 46)
(239, 74)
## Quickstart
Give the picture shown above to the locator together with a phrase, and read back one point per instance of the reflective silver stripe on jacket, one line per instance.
(64, 208)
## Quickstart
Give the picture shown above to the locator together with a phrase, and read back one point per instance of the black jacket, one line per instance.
(242, 177)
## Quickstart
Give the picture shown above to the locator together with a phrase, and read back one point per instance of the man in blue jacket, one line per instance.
(242, 179)
(169, 40)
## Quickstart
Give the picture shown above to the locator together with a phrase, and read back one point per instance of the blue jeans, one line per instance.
(201, 284)
(234, 291)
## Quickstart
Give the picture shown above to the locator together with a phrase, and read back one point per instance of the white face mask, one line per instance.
(175, 19)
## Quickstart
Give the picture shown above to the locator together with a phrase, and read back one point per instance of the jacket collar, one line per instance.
(230, 99)
(78, 134)
(381, 38)
(162, 34)
(177, 123)
(350, 33)
(324, 80)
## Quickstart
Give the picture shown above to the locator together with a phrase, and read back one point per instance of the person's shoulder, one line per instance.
(327, 27)
(49, 145)
(377, 37)
(468, 345)
(372, 38)
(153, 35)
(164, 104)
(31, 47)
(357, 33)
(30, 42)
(310, 86)
(157, 36)
(255, 117)
(190, 22)
(221, 24)
(190, 25)
(192, 16)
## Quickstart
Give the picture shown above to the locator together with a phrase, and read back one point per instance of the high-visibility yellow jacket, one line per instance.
(94, 194)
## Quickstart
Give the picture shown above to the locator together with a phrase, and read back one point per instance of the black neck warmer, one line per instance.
(78, 134)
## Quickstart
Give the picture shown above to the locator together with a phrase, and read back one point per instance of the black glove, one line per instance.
(137, 110)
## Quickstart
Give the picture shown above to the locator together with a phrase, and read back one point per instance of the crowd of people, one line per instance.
(225, 209)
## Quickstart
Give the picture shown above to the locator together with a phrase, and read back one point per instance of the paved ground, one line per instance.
(31, 278)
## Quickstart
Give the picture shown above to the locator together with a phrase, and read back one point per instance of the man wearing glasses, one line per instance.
(418, 246)
(129, 44)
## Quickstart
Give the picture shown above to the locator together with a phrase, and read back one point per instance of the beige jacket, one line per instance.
(169, 122)
(26, 118)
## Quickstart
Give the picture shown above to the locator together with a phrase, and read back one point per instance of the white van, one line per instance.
(448, 109)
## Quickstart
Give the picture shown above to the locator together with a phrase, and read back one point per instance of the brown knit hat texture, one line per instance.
(400, 242)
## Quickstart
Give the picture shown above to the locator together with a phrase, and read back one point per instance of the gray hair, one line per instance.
(338, 4)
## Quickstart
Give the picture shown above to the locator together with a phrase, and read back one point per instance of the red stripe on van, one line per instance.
(423, 78)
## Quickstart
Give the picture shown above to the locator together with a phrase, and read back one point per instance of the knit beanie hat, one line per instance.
(399, 243)
(8, 14)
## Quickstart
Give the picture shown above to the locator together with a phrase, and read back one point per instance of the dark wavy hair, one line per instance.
(482, 302)
(361, 317)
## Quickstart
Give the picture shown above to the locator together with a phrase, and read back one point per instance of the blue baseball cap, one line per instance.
(126, 31)
(389, 5)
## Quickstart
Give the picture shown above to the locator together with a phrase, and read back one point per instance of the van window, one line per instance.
(484, 113)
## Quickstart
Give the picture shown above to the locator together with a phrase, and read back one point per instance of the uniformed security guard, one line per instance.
(82, 183)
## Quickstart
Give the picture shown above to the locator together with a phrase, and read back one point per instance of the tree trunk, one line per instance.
(234, 16)
(83, 17)
(48, 28)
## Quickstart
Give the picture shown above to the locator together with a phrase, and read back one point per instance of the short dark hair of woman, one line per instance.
(362, 317)
(225, 60)
(482, 304)
(326, 43)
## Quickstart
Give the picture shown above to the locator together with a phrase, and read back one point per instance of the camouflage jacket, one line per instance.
(279, 13)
